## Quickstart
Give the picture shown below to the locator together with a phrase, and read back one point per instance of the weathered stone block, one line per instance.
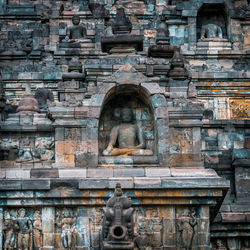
(142, 182)
(72, 173)
(44, 173)
(36, 185)
(99, 172)
(158, 172)
(94, 184)
(126, 183)
(129, 172)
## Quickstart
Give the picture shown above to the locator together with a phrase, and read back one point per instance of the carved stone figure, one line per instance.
(220, 245)
(98, 10)
(118, 225)
(187, 230)
(68, 225)
(121, 24)
(44, 148)
(28, 104)
(24, 237)
(10, 228)
(211, 31)
(246, 244)
(162, 36)
(42, 95)
(126, 135)
(2, 97)
(37, 230)
(177, 70)
(75, 32)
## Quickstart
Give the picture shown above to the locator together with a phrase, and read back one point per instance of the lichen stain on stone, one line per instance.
(217, 193)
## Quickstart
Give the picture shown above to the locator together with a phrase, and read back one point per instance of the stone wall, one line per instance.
(189, 94)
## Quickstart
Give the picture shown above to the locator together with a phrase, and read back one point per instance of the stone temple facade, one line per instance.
(125, 124)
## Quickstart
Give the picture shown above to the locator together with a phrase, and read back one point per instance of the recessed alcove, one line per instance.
(212, 14)
(133, 97)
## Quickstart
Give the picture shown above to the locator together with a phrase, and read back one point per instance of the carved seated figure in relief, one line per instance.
(126, 134)
(211, 32)
(75, 33)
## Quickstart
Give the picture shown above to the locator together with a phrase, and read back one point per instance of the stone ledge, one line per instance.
(82, 173)
(242, 163)
(235, 217)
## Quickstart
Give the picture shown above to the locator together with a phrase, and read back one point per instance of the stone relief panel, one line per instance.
(181, 140)
(71, 228)
(241, 243)
(19, 39)
(22, 229)
(239, 108)
(81, 227)
(170, 227)
(27, 148)
(228, 108)
(187, 227)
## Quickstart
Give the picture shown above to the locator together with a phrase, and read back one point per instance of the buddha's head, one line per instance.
(76, 20)
(126, 115)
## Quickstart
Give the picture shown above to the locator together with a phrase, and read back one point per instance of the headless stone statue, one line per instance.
(75, 32)
(211, 31)
(126, 134)
(42, 95)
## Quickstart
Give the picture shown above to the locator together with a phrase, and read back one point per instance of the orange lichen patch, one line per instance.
(202, 193)
(99, 193)
(139, 193)
(69, 158)
(218, 193)
(97, 201)
(164, 201)
(66, 147)
(65, 192)
(178, 159)
(85, 194)
(166, 212)
(215, 90)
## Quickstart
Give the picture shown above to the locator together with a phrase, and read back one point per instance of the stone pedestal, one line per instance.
(214, 45)
(124, 43)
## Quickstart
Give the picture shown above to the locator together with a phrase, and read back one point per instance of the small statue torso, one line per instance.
(211, 31)
(76, 32)
(127, 135)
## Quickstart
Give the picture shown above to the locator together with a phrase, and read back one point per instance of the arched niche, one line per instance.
(212, 13)
(134, 97)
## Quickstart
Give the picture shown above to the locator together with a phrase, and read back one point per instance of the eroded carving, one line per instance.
(211, 31)
(42, 95)
(24, 236)
(121, 24)
(187, 229)
(178, 70)
(37, 230)
(2, 97)
(10, 228)
(22, 229)
(66, 222)
(118, 228)
(28, 103)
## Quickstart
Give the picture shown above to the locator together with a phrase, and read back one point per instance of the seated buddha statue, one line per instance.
(126, 135)
(211, 31)
(76, 32)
